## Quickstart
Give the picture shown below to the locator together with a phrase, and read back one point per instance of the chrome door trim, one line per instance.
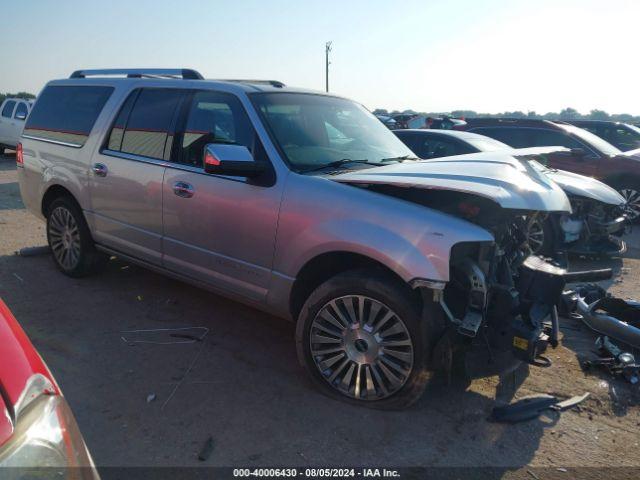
(55, 142)
(167, 164)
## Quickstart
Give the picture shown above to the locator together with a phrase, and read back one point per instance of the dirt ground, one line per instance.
(242, 384)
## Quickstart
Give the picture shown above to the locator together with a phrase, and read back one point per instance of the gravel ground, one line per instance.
(242, 384)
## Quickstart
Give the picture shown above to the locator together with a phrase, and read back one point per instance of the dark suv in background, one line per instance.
(621, 135)
(589, 154)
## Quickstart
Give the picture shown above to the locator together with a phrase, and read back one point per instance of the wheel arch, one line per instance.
(52, 192)
(324, 266)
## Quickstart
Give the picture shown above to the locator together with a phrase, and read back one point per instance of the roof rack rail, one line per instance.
(273, 83)
(185, 73)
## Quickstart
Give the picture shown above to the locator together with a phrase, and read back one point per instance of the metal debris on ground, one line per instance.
(603, 313)
(615, 361)
(165, 336)
(151, 397)
(529, 408)
(206, 450)
(33, 251)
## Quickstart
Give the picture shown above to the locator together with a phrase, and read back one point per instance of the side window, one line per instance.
(117, 131)
(436, 148)
(21, 111)
(7, 110)
(550, 138)
(66, 113)
(214, 117)
(148, 130)
(410, 140)
(514, 137)
(622, 138)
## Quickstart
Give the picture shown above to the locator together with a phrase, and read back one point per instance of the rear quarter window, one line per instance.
(66, 113)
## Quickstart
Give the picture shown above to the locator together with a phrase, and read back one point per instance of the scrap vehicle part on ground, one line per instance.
(614, 360)
(603, 313)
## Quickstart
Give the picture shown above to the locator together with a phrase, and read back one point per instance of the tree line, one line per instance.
(564, 114)
(25, 95)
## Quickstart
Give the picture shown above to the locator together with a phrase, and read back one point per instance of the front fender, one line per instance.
(412, 240)
(424, 256)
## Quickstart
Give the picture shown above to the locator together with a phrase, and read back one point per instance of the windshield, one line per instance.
(317, 130)
(593, 140)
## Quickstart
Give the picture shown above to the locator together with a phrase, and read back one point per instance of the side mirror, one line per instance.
(232, 160)
(21, 116)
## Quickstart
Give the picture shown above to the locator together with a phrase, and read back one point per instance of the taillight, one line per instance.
(19, 156)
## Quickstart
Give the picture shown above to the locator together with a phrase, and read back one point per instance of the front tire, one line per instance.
(73, 250)
(542, 237)
(362, 338)
(630, 190)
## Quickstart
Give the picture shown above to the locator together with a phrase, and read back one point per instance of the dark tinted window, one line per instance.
(117, 131)
(21, 110)
(148, 129)
(440, 147)
(8, 109)
(623, 138)
(214, 118)
(514, 137)
(66, 114)
(551, 138)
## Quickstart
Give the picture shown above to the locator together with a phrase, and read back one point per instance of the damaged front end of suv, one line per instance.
(500, 301)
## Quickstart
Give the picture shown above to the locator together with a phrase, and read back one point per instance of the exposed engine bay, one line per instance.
(500, 302)
(592, 228)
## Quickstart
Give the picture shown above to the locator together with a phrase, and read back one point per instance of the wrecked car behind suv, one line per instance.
(304, 205)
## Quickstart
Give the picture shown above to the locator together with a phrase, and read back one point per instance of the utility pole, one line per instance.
(327, 49)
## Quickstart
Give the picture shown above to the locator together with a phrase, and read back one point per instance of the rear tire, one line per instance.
(369, 361)
(69, 238)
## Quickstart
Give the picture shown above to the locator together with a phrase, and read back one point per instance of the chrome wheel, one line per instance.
(632, 202)
(361, 347)
(64, 238)
(535, 235)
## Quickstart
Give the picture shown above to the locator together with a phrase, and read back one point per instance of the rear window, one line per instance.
(66, 113)
(8, 109)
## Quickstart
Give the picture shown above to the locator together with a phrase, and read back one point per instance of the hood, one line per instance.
(502, 177)
(571, 183)
(583, 186)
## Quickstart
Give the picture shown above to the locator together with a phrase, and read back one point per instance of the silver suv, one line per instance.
(304, 205)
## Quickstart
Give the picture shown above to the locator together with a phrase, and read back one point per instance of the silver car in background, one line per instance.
(304, 205)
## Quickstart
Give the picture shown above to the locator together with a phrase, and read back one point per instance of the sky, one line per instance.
(484, 55)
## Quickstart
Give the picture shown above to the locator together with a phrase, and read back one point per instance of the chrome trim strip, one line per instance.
(136, 158)
(56, 142)
(167, 164)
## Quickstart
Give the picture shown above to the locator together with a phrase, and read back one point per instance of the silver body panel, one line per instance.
(499, 176)
(250, 242)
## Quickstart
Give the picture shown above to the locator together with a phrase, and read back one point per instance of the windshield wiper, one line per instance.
(339, 163)
(399, 159)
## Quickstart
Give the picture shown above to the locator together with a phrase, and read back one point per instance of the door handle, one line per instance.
(183, 189)
(99, 169)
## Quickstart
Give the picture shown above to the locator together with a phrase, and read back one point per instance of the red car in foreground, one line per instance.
(39, 437)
